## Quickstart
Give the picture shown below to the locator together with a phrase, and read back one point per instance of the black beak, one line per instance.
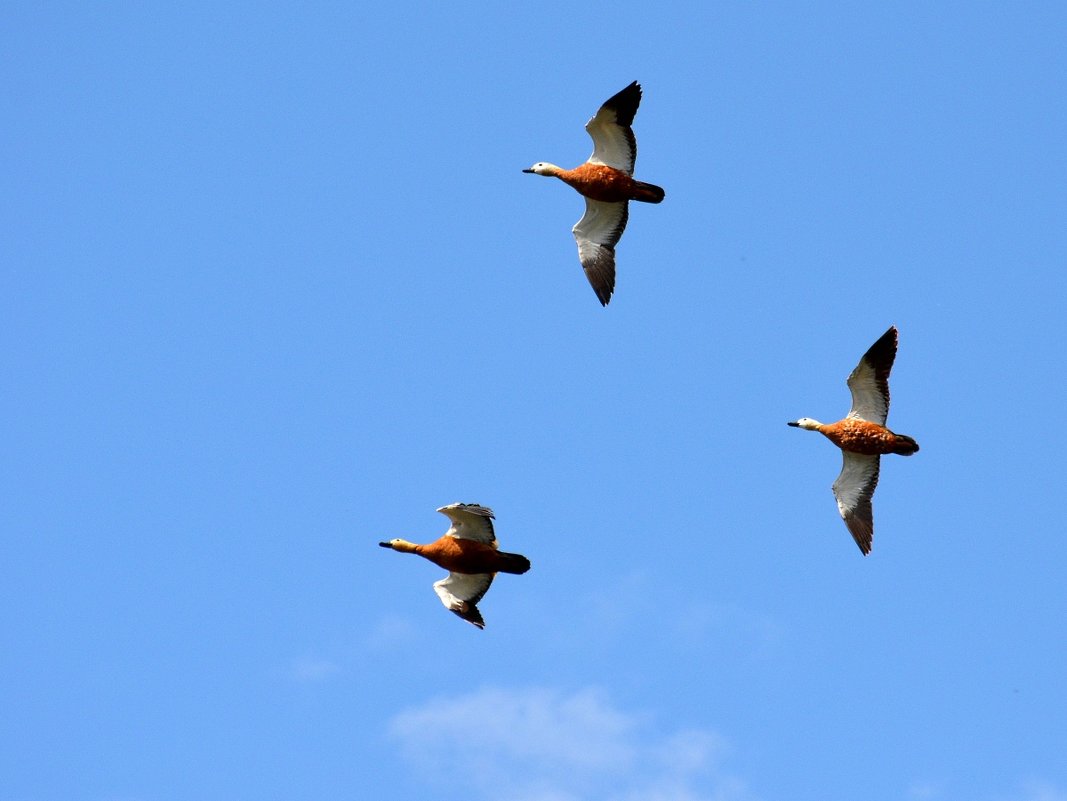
(795, 425)
(385, 544)
(527, 170)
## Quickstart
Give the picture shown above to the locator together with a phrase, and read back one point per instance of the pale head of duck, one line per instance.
(399, 545)
(544, 168)
(806, 423)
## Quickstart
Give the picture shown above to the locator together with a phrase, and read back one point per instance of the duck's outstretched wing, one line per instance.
(460, 592)
(613, 138)
(470, 522)
(854, 489)
(869, 382)
(596, 234)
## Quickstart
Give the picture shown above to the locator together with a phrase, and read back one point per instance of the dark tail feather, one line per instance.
(512, 563)
(647, 193)
(905, 446)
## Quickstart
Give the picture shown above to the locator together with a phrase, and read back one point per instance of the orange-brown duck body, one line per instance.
(609, 185)
(468, 551)
(862, 436)
(464, 556)
(606, 182)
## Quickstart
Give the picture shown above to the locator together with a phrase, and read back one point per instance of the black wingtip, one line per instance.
(866, 545)
(471, 615)
(884, 351)
(625, 103)
(601, 278)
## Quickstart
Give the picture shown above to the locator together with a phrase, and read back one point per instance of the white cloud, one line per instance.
(580, 732)
(544, 745)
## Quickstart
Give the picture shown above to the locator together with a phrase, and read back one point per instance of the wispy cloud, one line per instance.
(544, 745)
(605, 612)
(389, 632)
(758, 632)
(1040, 791)
(1028, 791)
(924, 791)
(310, 669)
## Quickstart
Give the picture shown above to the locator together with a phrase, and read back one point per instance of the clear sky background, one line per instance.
(274, 288)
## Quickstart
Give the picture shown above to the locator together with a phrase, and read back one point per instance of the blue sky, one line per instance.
(275, 288)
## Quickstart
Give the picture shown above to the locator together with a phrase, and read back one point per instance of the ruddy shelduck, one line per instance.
(863, 438)
(606, 180)
(468, 551)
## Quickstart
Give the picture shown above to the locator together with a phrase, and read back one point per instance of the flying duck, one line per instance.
(468, 551)
(606, 180)
(863, 437)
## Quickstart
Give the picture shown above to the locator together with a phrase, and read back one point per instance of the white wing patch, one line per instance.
(613, 137)
(869, 382)
(470, 522)
(613, 144)
(854, 488)
(460, 592)
(597, 233)
(869, 401)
